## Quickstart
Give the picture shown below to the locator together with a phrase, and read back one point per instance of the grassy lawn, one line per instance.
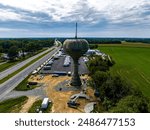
(132, 63)
(22, 68)
(37, 104)
(10, 64)
(23, 85)
(7, 65)
(12, 105)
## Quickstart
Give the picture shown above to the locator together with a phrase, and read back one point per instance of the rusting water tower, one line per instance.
(75, 48)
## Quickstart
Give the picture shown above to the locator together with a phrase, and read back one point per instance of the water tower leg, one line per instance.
(75, 81)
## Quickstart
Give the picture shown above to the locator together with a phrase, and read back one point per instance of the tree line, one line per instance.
(13, 46)
(116, 40)
(103, 41)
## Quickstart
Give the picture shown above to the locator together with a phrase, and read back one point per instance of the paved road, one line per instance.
(19, 65)
(10, 84)
(39, 92)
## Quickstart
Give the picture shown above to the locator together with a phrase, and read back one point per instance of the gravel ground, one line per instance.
(40, 92)
(64, 86)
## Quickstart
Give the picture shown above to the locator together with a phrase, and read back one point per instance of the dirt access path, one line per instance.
(28, 104)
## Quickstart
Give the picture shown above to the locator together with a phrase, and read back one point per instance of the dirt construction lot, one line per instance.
(60, 98)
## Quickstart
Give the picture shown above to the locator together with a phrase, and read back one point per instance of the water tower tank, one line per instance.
(75, 48)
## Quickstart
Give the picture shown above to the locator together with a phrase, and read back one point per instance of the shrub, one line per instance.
(132, 104)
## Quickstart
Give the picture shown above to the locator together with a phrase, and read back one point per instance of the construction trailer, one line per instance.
(45, 103)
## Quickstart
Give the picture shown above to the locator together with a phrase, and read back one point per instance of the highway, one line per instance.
(12, 69)
(11, 83)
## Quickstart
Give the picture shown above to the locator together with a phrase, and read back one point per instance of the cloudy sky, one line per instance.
(56, 18)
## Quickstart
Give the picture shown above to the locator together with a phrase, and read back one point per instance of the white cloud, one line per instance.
(115, 11)
(59, 9)
(8, 15)
(110, 14)
(54, 8)
(10, 29)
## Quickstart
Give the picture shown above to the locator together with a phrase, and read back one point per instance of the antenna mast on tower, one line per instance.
(76, 31)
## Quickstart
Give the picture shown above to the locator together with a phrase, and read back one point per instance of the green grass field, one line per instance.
(12, 105)
(132, 63)
(23, 85)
